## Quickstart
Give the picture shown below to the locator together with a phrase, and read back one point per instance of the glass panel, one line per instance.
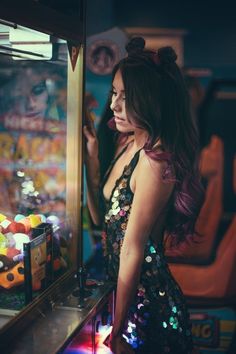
(35, 234)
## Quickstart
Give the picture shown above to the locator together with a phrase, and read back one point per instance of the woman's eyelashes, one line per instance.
(115, 94)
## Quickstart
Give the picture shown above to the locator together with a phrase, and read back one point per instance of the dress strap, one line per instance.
(120, 153)
(113, 162)
(133, 163)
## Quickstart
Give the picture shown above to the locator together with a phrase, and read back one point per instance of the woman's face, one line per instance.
(118, 105)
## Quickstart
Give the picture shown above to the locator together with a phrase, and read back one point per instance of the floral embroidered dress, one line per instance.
(158, 321)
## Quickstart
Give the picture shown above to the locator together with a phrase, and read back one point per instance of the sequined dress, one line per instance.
(158, 320)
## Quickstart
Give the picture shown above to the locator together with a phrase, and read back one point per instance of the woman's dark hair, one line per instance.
(157, 101)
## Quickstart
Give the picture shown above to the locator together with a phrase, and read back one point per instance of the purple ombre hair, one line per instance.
(157, 101)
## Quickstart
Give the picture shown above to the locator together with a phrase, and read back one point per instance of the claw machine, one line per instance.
(43, 299)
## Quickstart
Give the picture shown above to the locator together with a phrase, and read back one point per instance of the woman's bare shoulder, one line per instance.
(148, 164)
(156, 163)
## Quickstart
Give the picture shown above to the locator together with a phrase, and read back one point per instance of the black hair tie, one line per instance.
(167, 55)
(135, 45)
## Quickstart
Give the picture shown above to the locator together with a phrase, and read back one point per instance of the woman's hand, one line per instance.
(118, 345)
(92, 171)
(91, 146)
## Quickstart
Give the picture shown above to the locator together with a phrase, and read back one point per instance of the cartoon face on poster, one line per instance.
(32, 137)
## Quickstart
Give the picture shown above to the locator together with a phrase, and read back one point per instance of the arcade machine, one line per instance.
(44, 296)
(206, 269)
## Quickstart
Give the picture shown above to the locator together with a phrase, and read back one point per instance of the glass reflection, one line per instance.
(33, 105)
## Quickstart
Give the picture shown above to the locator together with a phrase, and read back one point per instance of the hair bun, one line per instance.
(167, 55)
(135, 45)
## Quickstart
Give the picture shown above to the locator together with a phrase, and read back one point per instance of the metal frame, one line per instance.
(30, 13)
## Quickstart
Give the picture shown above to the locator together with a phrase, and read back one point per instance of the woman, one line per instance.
(151, 188)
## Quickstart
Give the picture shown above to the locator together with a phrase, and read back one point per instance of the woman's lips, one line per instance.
(118, 119)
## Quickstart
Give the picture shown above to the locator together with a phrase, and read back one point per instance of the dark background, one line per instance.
(211, 27)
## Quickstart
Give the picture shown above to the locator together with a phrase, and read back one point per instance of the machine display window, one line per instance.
(36, 234)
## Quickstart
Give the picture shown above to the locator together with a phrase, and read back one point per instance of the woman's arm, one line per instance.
(150, 197)
(92, 173)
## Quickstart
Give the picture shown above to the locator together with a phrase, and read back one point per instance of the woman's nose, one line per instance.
(115, 106)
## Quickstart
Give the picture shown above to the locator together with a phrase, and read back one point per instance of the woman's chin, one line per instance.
(123, 129)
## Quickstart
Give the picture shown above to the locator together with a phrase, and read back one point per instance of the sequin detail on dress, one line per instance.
(158, 320)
